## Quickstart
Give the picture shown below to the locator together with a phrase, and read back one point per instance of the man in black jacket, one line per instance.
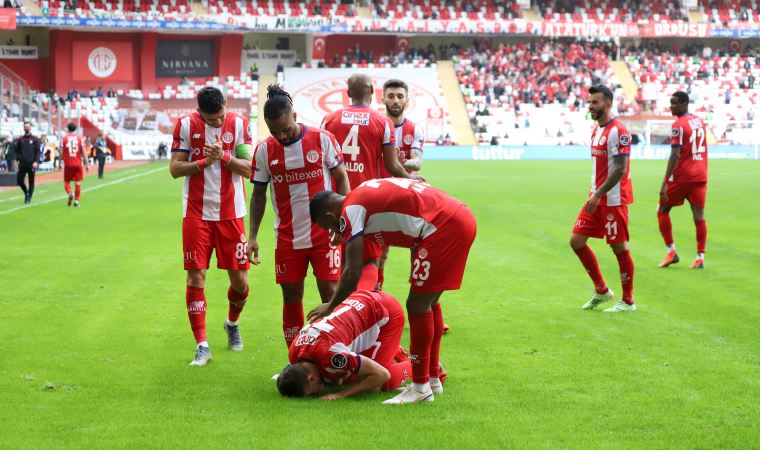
(28, 149)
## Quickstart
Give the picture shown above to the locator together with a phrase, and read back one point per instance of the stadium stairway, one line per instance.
(264, 81)
(696, 16)
(32, 7)
(457, 111)
(626, 79)
(364, 12)
(198, 8)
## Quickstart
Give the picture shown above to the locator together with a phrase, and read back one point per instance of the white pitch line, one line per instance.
(110, 183)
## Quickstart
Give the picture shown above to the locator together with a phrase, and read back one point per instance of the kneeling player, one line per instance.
(357, 342)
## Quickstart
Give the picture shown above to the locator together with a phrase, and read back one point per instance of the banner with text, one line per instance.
(7, 18)
(267, 60)
(18, 52)
(181, 58)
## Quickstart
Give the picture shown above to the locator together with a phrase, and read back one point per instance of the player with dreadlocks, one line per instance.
(296, 162)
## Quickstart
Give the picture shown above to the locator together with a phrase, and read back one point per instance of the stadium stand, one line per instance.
(446, 9)
(730, 12)
(117, 8)
(279, 7)
(614, 11)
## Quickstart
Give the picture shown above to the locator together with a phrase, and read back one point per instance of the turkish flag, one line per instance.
(318, 47)
(402, 44)
(7, 18)
(102, 61)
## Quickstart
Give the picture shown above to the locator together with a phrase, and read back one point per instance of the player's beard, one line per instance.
(398, 113)
(598, 114)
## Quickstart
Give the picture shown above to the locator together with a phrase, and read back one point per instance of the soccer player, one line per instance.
(404, 213)
(212, 150)
(605, 213)
(296, 162)
(685, 178)
(409, 138)
(356, 344)
(74, 153)
(368, 143)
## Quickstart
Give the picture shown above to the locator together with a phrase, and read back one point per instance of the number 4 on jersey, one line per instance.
(350, 145)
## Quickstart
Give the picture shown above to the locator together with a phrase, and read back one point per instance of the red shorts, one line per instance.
(389, 339)
(610, 222)
(72, 173)
(226, 237)
(678, 191)
(438, 261)
(291, 265)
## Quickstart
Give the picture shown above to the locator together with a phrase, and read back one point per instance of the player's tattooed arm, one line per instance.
(181, 167)
(258, 206)
(349, 279)
(619, 163)
(390, 158)
(372, 376)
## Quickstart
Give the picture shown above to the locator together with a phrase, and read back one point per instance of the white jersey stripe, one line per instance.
(299, 194)
(412, 226)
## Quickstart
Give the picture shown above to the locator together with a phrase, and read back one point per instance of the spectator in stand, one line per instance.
(111, 93)
(99, 93)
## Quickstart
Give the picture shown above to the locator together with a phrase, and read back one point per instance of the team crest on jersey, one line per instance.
(196, 136)
(422, 253)
(227, 138)
(408, 139)
(312, 156)
(610, 217)
(625, 140)
(342, 225)
(339, 361)
(675, 132)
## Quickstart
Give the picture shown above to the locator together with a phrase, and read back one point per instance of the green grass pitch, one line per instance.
(95, 344)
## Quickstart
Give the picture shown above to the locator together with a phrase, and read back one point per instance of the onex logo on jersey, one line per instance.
(355, 118)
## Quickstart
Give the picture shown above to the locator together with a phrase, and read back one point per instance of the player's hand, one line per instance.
(592, 203)
(663, 195)
(253, 251)
(87, 168)
(319, 312)
(333, 396)
(35, 165)
(416, 176)
(401, 157)
(213, 151)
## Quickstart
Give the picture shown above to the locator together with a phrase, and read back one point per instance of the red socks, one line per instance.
(435, 347)
(588, 259)
(237, 302)
(626, 275)
(701, 235)
(666, 227)
(77, 190)
(368, 281)
(400, 372)
(67, 187)
(292, 321)
(421, 334)
(196, 312)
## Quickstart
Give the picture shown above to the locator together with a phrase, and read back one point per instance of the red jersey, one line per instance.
(297, 172)
(409, 136)
(215, 193)
(608, 141)
(71, 148)
(396, 211)
(334, 342)
(362, 133)
(690, 133)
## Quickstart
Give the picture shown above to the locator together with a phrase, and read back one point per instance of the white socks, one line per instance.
(203, 344)
(671, 247)
(231, 323)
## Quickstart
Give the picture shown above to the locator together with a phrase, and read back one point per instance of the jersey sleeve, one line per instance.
(260, 173)
(352, 221)
(619, 142)
(389, 132)
(181, 136)
(339, 361)
(676, 133)
(242, 132)
(419, 138)
(331, 154)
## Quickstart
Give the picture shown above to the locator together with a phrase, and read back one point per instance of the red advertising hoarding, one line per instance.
(7, 18)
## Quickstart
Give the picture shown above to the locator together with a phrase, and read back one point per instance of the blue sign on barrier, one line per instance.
(528, 152)
(124, 23)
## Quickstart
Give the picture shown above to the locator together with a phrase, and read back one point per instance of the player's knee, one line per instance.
(292, 293)
(196, 278)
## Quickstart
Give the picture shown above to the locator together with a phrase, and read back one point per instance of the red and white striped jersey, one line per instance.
(295, 174)
(333, 343)
(409, 136)
(216, 193)
(362, 133)
(690, 132)
(608, 141)
(71, 149)
(396, 211)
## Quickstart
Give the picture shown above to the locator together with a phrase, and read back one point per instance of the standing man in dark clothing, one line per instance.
(28, 149)
(10, 154)
(100, 153)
